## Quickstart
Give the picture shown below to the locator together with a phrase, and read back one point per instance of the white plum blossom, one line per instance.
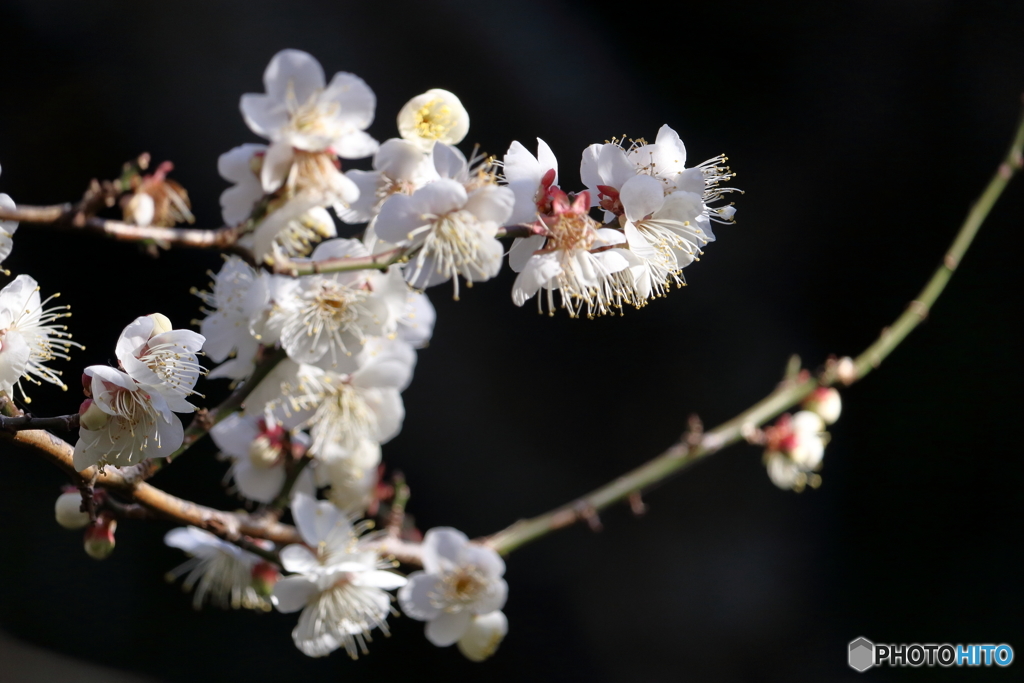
(238, 295)
(307, 119)
(258, 449)
(162, 359)
(348, 410)
(217, 571)
(484, 635)
(7, 228)
(578, 260)
(398, 167)
(454, 231)
(459, 581)
(435, 116)
(30, 336)
(124, 423)
(665, 233)
(339, 584)
(326, 319)
(605, 168)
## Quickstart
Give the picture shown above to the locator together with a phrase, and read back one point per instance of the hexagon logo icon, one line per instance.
(862, 654)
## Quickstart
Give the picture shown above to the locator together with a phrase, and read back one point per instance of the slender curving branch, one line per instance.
(71, 216)
(236, 527)
(788, 394)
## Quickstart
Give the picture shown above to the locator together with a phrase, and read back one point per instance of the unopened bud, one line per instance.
(91, 417)
(161, 323)
(264, 576)
(846, 370)
(99, 537)
(485, 634)
(68, 510)
(826, 403)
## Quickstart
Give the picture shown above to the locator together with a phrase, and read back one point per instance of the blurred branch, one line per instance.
(74, 217)
(788, 394)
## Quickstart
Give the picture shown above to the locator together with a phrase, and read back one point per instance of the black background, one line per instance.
(861, 132)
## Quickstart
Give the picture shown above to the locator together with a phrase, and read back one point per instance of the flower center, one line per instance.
(571, 231)
(434, 120)
(460, 588)
(263, 453)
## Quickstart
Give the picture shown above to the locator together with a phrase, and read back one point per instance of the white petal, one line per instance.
(298, 559)
(236, 164)
(449, 162)
(276, 164)
(264, 115)
(484, 635)
(641, 196)
(493, 599)
(491, 203)
(379, 579)
(415, 597)
(293, 593)
(522, 249)
(293, 74)
(356, 101)
(447, 627)
(487, 559)
(261, 484)
(442, 547)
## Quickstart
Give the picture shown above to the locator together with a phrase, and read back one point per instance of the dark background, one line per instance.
(861, 133)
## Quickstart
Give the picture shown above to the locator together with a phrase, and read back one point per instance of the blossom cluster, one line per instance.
(320, 328)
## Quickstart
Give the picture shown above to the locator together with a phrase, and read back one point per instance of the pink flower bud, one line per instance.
(826, 403)
(264, 576)
(91, 417)
(99, 537)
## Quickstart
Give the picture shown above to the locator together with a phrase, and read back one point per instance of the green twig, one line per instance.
(788, 394)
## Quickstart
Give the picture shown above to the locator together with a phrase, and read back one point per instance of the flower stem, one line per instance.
(787, 395)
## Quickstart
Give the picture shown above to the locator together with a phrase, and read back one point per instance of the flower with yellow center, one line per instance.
(435, 116)
(30, 336)
(459, 581)
(338, 584)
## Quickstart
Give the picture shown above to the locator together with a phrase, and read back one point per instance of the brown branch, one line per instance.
(71, 216)
(64, 423)
(227, 525)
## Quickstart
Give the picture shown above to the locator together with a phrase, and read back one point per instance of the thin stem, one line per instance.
(68, 215)
(787, 395)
